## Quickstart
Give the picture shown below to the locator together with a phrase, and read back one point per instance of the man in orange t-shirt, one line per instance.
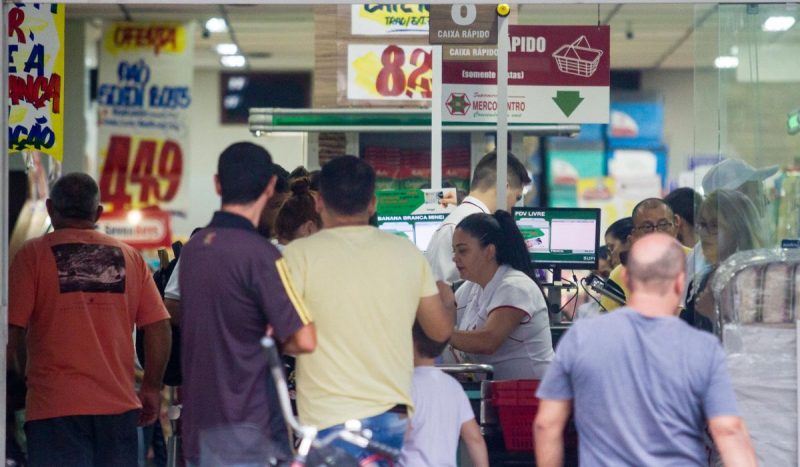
(75, 296)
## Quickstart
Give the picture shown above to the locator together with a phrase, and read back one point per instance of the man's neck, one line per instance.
(74, 224)
(251, 212)
(653, 305)
(422, 361)
(488, 197)
(330, 220)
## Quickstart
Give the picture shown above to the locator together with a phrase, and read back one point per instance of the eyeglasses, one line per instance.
(710, 229)
(649, 228)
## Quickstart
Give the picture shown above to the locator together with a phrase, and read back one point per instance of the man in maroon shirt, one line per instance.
(233, 287)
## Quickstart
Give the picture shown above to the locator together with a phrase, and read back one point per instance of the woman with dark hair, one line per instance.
(616, 238)
(298, 216)
(502, 313)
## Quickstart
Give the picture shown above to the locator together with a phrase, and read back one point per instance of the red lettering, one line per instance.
(36, 91)
(16, 16)
(155, 37)
(113, 186)
(143, 172)
(170, 168)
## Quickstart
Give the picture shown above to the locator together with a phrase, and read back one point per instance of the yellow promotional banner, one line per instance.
(392, 19)
(35, 38)
(144, 98)
(389, 72)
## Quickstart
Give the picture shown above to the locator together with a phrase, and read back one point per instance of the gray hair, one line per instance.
(75, 196)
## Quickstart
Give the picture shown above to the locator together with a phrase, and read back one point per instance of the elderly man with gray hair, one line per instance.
(644, 384)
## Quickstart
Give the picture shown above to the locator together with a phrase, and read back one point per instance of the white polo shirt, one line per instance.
(528, 350)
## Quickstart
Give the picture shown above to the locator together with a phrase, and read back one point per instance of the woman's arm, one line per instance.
(486, 340)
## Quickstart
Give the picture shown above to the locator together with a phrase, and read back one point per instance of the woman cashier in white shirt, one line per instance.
(502, 313)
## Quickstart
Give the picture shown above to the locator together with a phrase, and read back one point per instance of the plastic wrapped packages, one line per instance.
(756, 304)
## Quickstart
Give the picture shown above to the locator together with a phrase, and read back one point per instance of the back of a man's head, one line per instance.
(484, 177)
(684, 202)
(347, 185)
(654, 263)
(244, 171)
(75, 196)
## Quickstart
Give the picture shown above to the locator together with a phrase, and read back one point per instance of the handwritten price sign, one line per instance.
(389, 72)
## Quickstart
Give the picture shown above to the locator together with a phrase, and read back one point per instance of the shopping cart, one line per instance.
(312, 450)
(578, 58)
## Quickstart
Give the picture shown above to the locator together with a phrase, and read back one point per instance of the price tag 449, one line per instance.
(389, 72)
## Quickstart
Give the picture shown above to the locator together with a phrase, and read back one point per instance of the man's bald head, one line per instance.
(654, 263)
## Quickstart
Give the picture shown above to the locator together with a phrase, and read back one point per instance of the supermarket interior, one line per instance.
(607, 104)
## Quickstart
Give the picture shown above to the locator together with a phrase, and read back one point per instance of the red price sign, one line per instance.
(140, 172)
(394, 72)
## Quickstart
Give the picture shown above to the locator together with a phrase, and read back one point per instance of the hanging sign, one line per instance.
(393, 19)
(144, 96)
(35, 41)
(389, 72)
(556, 74)
(463, 24)
(148, 228)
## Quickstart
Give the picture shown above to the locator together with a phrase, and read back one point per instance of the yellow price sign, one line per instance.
(389, 72)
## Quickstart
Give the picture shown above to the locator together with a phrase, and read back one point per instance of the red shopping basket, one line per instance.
(516, 405)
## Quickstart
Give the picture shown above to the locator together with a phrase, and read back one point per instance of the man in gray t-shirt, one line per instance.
(644, 384)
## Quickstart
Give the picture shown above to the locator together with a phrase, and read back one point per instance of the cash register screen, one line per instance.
(566, 238)
(418, 228)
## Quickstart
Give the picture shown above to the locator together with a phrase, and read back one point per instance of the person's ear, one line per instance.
(373, 205)
(319, 204)
(98, 213)
(270, 189)
(217, 185)
(680, 283)
(491, 251)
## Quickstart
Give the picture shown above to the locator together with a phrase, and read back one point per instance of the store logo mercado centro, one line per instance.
(556, 74)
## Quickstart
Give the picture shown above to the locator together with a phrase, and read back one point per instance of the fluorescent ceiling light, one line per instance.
(216, 25)
(233, 61)
(726, 62)
(227, 49)
(778, 23)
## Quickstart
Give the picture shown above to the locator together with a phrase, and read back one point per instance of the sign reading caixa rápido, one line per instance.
(144, 95)
(556, 74)
(35, 36)
(463, 24)
(394, 19)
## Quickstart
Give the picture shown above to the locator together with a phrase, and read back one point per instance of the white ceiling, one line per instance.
(643, 36)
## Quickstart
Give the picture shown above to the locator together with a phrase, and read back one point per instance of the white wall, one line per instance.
(208, 138)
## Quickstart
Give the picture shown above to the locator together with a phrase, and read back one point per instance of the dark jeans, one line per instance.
(83, 441)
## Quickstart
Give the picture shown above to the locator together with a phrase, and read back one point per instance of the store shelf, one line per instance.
(265, 120)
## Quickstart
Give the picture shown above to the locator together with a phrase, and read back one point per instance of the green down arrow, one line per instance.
(568, 101)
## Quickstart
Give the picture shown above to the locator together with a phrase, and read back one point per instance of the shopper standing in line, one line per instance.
(365, 288)
(643, 383)
(234, 286)
(482, 198)
(75, 295)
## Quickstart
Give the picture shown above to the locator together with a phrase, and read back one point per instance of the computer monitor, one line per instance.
(418, 228)
(564, 238)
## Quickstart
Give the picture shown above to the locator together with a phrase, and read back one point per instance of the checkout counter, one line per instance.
(476, 379)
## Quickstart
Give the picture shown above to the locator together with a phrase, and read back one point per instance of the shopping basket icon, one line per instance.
(578, 58)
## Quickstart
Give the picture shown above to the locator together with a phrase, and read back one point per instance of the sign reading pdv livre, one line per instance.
(556, 74)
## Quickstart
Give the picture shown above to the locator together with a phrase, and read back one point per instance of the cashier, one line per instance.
(502, 313)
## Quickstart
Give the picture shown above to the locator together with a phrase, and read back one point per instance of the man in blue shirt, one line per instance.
(644, 383)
